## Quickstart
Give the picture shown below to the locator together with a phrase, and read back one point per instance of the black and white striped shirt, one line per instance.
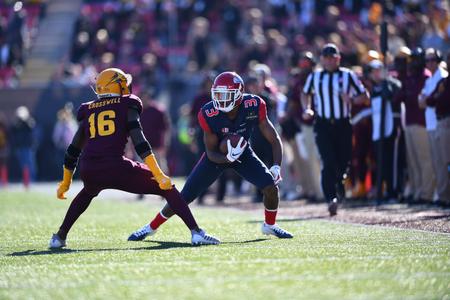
(327, 87)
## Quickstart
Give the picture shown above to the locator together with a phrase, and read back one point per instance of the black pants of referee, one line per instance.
(334, 142)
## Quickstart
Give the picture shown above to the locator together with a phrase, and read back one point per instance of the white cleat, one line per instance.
(276, 231)
(56, 242)
(141, 233)
(201, 238)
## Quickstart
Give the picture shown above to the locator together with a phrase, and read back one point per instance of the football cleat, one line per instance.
(201, 238)
(141, 233)
(333, 207)
(276, 231)
(56, 242)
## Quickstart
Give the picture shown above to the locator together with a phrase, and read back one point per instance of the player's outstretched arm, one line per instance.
(269, 132)
(144, 150)
(70, 162)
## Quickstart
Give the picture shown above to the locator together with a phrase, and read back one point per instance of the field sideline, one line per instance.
(325, 260)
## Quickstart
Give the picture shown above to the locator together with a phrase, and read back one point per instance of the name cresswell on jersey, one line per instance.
(104, 103)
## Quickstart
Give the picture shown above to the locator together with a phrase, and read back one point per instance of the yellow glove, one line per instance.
(64, 185)
(163, 180)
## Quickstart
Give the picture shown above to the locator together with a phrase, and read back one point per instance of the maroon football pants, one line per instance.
(126, 175)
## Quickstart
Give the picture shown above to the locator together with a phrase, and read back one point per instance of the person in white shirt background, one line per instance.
(433, 59)
(391, 131)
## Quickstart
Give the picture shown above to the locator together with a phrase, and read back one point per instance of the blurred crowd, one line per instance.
(173, 49)
(19, 23)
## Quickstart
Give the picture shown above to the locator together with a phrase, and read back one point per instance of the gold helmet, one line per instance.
(112, 82)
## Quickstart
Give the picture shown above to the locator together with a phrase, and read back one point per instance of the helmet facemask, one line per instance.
(225, 99)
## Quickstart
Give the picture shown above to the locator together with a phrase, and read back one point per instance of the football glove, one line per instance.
(235, 152)
(275, 170)
(64, 185)
(164, 181)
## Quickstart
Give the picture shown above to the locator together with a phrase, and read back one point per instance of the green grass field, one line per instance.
(325, 260)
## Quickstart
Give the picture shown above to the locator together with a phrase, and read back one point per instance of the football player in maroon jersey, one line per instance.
(104, 126)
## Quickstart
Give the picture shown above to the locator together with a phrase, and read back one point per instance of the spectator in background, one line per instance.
(362, 151)
(156, 127)
(377, 95)
(290, 127)
(432, 98)
(3, 153)
(15, 38)
(149, 75)
(440, 99)
(420, 168)
(199, 42)
(24, 143)
(433, 59)
(299, 132)
(64, 130)
(232, 21)
(401, 63)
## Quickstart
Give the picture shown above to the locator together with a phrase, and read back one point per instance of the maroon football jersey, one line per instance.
(104, 122)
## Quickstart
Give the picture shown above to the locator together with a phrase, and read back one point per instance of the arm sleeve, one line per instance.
(436, 95)
(356, 84)
(307, 88)
(135, 103)
(141, 145)
(262, 110)
(74, 149)
(202, 121)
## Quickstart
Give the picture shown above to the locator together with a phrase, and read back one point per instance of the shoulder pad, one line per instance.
(251, 100)
(208, 105)
(134, 102)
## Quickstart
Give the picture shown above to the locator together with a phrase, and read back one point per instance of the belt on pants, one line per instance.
(332, 120)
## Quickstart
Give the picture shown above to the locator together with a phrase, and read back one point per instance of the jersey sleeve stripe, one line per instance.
(202, 121)
(308, 85)
(262, 110)
(356, 84)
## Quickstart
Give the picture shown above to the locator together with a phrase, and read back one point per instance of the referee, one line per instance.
(333, 88)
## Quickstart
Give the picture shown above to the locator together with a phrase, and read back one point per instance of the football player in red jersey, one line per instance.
(104, 126)
(232, 111)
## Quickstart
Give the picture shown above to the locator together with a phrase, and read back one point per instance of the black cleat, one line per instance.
(332, 207)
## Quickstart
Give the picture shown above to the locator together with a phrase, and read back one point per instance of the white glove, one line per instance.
(235, 152)
(276, 174)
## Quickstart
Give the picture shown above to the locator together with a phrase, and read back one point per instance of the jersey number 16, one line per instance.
(103, 124)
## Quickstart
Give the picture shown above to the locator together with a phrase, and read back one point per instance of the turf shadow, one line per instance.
(285, 220)
(160, 245)
(246, 242)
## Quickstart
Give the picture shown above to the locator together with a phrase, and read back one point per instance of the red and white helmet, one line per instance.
(227, 91)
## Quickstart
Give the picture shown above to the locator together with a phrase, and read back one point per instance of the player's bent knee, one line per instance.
(270, 191)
